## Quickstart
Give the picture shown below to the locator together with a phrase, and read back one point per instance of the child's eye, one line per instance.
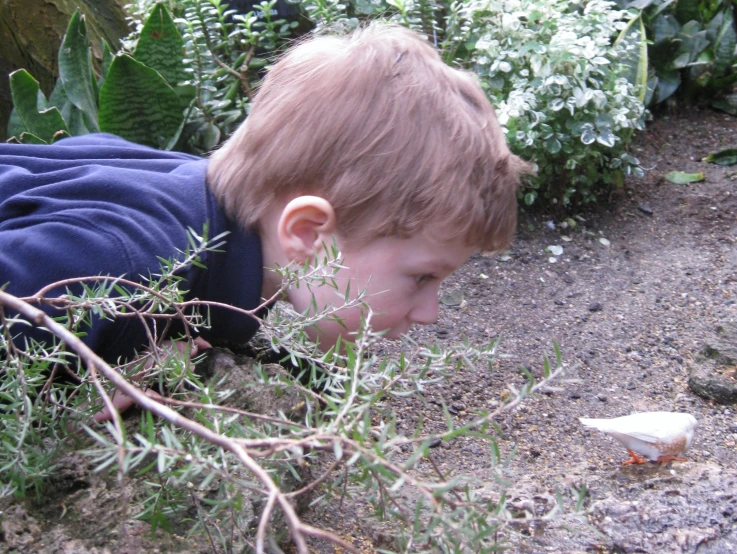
(422, 279)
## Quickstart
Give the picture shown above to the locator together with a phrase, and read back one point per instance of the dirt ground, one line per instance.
(631, 314)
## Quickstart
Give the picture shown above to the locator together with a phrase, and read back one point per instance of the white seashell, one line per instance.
(657, 436)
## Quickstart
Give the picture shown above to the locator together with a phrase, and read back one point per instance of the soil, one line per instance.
(643, 284)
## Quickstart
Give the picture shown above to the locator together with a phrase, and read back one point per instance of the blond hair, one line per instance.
(378, 125)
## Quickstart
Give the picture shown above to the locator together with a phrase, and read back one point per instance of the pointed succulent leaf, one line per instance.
(107, 59)
(43, 124)
(137, 104)
(668, 83)
(75, 70)
(724, 45)
(71, 113)
(161, 46)
(635, 64)
(686, 11)
(664, 27)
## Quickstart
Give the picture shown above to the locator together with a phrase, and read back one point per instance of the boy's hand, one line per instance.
(122, 401)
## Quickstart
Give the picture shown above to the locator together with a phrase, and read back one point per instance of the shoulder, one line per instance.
(142, 199)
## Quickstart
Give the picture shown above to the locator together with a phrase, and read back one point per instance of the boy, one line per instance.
(369, 139)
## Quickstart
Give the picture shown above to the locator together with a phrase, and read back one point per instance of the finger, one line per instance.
(122, 402)
(202, 344)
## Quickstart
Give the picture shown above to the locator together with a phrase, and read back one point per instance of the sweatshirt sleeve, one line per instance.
(95, 207)
(33, 257)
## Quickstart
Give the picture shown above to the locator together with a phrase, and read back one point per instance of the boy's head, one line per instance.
(389, 143)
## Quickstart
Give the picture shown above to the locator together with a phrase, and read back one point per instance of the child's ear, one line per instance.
(305, 224)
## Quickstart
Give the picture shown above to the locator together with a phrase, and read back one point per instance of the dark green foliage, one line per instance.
(161, 46)
(136, 103)
(691, 47)
(133, 98)
(34, 121)
(75, 71)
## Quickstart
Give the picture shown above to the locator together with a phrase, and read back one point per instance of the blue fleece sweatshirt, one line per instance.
(99, 205)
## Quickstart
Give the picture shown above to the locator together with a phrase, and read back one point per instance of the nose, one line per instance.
(425, 312)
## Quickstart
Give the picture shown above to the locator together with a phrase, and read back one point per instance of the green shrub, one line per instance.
(691, 47)
(560, 89)
(210, 467)
(564, 92)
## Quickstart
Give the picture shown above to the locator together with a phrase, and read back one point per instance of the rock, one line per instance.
(723, 347)
(595, 307)
(707, 381)
(645, 208)
(714, 372)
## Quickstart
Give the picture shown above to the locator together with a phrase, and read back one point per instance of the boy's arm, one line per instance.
(36, 252)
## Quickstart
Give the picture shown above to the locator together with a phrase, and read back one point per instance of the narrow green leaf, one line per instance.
(71, 114)
(636, 64)
(161, 47)
(138, 105)
(42, 124)
(668, 83)
(723, 157)
(107, 59)
(724, 45)
(681, 178)
(75, 70)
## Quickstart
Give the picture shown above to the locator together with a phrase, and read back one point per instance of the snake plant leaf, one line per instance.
(635, 62)
(138, 105)
(71, 114)
(724, 45)
(681, 178)
(107, 59)
(686, 12)
(161, 47)
(727, 103)
(75, 70)
(32, 109)
(665, 27)
(668, 83)
(723, 157)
